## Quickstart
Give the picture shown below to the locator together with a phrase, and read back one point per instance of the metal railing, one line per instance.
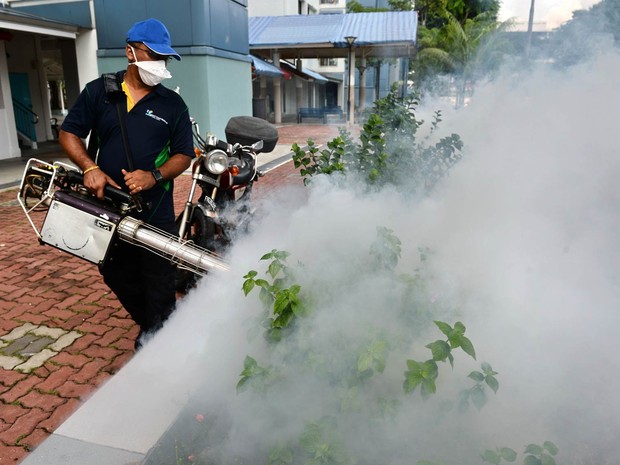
(25, 119)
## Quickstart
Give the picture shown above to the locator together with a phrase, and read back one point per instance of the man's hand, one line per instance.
(138, 181)
(96, 180)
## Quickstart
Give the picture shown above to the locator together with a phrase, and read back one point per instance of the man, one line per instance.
(159, 136)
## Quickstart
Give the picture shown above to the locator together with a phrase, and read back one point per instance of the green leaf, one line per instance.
(242, 384)
(550, 447)
(546, 459)
(410, 383)
(492, 383)
(440, 350)
(269, 255)
(454, 338)
(533, 449)
(491, 457)
(248, 285)
(263, 283)
(487, 370)
(531, 460)
(413, 377)
(428, 387)
(460, 327)
(281, 303)
(476, 376)
(274, 268)
(508, 454)
(444, 327)
(414, 366)
(467, 346)
(364, 362)
(379, 363)
(249, 363)
(429, 370)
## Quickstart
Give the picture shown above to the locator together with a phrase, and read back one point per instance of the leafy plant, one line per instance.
(285, 301)
(540, 454)
(354, 372)
(477, 393)
(319, 442)
(534, 454)
(389, 151)
(424, 374)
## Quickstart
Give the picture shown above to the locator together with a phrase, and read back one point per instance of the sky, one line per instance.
(553, 12)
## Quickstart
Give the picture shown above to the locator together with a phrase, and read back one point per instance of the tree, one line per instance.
(466, 51)
(587, 32)
(435, 13)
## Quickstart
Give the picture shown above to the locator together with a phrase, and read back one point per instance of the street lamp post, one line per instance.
(351, 81)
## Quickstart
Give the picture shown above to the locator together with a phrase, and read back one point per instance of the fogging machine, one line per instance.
(79, 223)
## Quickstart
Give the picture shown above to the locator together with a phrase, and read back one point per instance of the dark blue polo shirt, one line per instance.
(158, 126)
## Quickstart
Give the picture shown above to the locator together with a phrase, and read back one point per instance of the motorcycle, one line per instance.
(65, 215)
(224, 172)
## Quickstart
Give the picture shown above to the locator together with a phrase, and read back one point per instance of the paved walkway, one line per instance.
(62, 333)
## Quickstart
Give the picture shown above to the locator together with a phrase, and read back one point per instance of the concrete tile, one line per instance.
(65, 341)
(18, 332)
(8, 363)
(18, 345)
(54, 333)
(36, 361)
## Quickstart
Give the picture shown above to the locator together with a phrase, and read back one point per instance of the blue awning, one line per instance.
(262, 68)
(304, 72)
(388, 33)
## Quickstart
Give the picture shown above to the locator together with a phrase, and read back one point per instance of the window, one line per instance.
(323, 2)
(328, 62)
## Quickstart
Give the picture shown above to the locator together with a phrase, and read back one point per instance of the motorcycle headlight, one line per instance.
(216, 161)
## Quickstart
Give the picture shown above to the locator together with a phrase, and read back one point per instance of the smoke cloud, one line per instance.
(522, 248)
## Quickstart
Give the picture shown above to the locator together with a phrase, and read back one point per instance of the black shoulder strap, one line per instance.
(114, 92)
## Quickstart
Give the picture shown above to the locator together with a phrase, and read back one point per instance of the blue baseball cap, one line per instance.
(152, 33)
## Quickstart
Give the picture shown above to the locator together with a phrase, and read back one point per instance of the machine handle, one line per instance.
(117, 195)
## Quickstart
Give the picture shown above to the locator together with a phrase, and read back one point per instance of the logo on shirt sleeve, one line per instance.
(150, 114)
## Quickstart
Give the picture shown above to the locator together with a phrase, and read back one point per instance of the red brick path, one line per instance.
(44, 286)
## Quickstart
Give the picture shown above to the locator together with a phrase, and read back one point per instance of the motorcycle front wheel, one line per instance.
(201, 231)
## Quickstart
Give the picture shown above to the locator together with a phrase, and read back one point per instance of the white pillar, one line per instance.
(277, 92)
(8, 134)
(351, 78)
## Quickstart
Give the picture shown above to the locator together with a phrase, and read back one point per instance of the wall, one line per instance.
(221, 24)
(10, 146)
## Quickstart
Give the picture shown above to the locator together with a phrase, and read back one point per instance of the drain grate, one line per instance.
(29, 346)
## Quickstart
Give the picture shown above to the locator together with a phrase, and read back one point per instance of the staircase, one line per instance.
(25, 120)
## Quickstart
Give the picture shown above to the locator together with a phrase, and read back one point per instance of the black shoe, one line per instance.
(137, 345)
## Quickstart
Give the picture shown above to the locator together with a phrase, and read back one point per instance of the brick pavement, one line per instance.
(62, 332)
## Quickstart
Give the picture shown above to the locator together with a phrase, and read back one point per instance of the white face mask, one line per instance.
(151, 72)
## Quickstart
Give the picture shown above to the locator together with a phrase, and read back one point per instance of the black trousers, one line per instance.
(143, 283)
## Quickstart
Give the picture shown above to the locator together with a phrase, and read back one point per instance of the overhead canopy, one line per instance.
(305, 73)
(378, 34)
(20, 21)
(262, 68)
